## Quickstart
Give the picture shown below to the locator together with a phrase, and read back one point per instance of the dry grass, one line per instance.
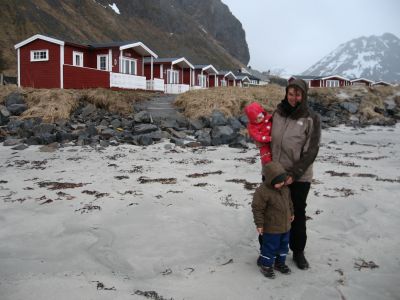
(56, 104)
(229, 100)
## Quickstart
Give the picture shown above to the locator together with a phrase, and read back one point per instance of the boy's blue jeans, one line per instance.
(274, 245)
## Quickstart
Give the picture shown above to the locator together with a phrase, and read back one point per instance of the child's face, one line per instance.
(278, 186)
(260, 118)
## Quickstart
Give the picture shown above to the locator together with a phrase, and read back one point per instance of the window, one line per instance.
(172, 76)
(332, 83)
(39, 55)
(102, 62)
(223, 82)
(128, 66)
(202, 79)
(77, 59)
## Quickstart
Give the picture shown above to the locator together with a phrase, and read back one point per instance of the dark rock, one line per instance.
(195, 124)
(88, 110)
(203, 136)
(144, 140)
(235, 124)
(222, 135)
(65, 137)
(217, 119)
(144, 128)
(43, 128)
(20, 147)
(13, 126)
(244, 120)
(11, 142)
(14, 98)
(116, 123)
(142, 117)
(17, 109)
(351, 107)
(4, 115)
(239, 142)
(177, 134)
(46, 138)
(91, 130)
(169, 123)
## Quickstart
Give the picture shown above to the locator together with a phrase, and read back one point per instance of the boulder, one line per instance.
(17, 109)
(222, 135)
(217, 119)
(14, 98)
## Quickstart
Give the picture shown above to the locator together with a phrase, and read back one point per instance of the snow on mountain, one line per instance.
(375, 58)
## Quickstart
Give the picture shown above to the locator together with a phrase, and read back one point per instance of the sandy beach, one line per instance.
(165, 222)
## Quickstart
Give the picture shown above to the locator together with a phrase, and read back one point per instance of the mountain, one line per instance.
(374, 58)
(202, 31)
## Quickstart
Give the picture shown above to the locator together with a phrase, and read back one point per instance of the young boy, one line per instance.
(273, 212)
(259, 128)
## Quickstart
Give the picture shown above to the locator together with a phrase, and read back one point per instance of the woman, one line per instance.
(296, 134)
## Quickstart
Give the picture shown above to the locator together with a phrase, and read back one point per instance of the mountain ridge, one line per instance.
(171, 28)
(372, 57)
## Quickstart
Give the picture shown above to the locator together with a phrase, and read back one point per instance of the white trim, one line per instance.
(98, 61)
(230, 72)
(61, 66)
(74, 55)
(334, 76)
(177, 61)
(161, 71)
(151, 67)
(33, 59)
(139, 44)
(41, 37)
(19, 67)
(209, 67)
(110, 60)
(361, 79)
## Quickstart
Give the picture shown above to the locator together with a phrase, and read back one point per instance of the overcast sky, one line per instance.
(295, 34)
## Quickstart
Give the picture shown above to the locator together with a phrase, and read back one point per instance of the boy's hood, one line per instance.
(272, 170)
(253, 110)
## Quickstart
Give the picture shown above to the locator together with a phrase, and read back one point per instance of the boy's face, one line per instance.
(260, 118)
(278, 186)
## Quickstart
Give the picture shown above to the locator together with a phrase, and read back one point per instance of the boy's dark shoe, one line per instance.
(284, 269)
(267, 272)
(300, 260)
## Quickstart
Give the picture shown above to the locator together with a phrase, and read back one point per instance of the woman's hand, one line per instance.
(260, 230)
(289, 180)
(291, 218)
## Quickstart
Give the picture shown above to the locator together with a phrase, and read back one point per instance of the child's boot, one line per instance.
(283, 268)
(267, 272)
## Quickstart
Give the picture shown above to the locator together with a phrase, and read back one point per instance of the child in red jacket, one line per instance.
(259, 128)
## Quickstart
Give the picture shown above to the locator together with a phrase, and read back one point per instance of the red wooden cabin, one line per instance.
(46, 62)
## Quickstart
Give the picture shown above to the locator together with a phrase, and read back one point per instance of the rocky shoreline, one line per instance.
(92, 126)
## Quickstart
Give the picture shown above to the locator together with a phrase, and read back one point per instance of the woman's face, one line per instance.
(294, 96)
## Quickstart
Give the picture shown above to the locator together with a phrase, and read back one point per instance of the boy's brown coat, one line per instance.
(272, 208)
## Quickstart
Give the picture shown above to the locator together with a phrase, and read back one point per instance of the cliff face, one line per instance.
(203, 31)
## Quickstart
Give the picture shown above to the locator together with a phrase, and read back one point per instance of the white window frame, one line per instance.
(37, 55)
(332, 83)
(172, 76)
(99, 57)
(76, 54)
(224, 82)
(127, 69)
